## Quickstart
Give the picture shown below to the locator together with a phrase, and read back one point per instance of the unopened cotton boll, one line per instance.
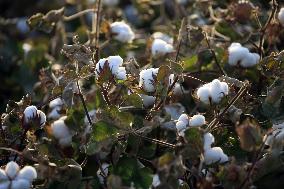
(208, 140)
(281, 16)
(147, 79)
(12, 169)
(160, 47)
(214, 155)
(164, 37)
(197, 121)
(122, 32)
(28, 173)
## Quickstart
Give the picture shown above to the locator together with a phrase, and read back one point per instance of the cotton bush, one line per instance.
(142, 94)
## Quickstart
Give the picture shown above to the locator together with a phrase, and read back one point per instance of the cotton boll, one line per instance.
(216, 91)
(180, 125)
(214, 155)
(28, 172)
(92, 115)
(12, 169)
(105, 171)
(4, 185)
(156, 180)
(237, 53)
(56, 102)
(20, 184)
(54, 114)
(147, 100)
(225, 88)
(183, 117)
(160, 47)
(278, 125)
(208, 140)
(3, 175)
(42, 117)
(147, 79)
(164, 37)
(203, 93)
(100, 66)
(122, 32)
(121, 74)
(59, 129)
(66, 141)
(250, 60)
(114, 63)
(30, 112)
(281, 16)
(110, 3)
(197, 121)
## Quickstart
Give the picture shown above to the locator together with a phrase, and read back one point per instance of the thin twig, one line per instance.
(214, 55)
(84, 104)
(97, 33)
(77, 15)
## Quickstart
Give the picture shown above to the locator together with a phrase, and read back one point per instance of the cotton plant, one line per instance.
(281, 16)
(56, 106)
(61, 132)
(215, 154)
(112, 63)
(122, 32)
(239, 55)
(13, 177)
(32, 115)
(184, 122)
(213, 92)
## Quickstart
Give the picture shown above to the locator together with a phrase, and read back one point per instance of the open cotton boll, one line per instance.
(114, 63)
(66, 141)
(250, 60)
(12, 169)
(147, 100)
(56, 102)
(156, 180)
(197, 121)
(28, 172)
(147, 79)
(122, 32)
(216, 90)
(164, 37)
(214, 155)
(54, 113)
(20, 184)
(208, 140)
(42, 117)
(203, 94)
(237, 53)
(110, 3)
(281, 16)
(183, 117)
(5, 185)
(3, 175)
(59, 129)
(160, 47)
(180, 125)
(30, 112)
(121, 74)
(100, 174)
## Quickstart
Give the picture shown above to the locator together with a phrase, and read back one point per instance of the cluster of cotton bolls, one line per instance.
(122, 32)
(33, 115)
(239, 55)
(161, 45)
(212, 92)
(55, 106)
(215, 154)
(15, 178)
(114, 63)
(276, 136)
(61, 132)
(184, 121)
(281, 16)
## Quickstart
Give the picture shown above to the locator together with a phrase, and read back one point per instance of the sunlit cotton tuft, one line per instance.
(147, 79)
(32, 114)
(160, 47)
(122, 32)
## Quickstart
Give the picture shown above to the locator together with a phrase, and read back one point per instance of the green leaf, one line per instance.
(190, 63)
(102, 131)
